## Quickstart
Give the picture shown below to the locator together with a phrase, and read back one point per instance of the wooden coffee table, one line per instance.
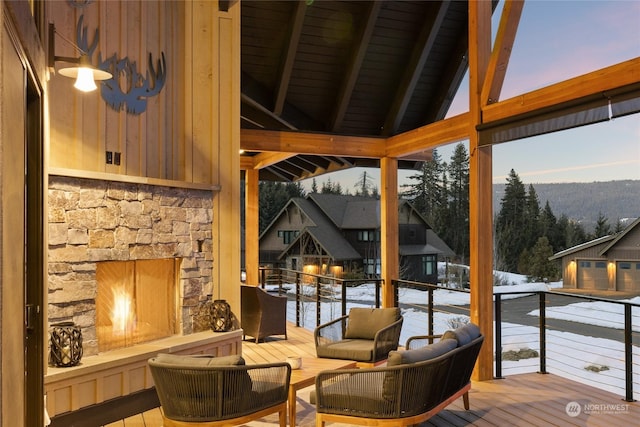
(306, 376)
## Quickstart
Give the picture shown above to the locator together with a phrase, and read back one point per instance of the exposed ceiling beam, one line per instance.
(286, 65)
(246, 99)
(430, 136)
(311, 143)
(421, 50)
(353, 69)
(301, 163)
(594, 83)
(501, 52)
(263, 160)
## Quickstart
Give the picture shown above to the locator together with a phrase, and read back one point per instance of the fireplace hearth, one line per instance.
(96, 224)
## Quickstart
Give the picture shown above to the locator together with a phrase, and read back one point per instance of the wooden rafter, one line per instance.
(421, 50)
(287, 63)
(501, 51)
(355, 63)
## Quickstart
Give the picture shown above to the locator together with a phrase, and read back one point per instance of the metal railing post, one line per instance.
(543, 335)
(628, 354)
(298, 302)
(318, 301)
(430, 313)
(378, 284)
(344, 298)
(498, 333)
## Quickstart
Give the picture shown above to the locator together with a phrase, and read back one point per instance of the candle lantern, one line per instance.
(220, 316)
(65, 344)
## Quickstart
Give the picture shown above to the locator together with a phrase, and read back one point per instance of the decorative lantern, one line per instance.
(65, 344)
(220, 315)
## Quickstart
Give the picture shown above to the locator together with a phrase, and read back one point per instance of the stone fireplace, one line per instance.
(103, 233)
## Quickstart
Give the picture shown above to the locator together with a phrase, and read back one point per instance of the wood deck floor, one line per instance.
(518, 400)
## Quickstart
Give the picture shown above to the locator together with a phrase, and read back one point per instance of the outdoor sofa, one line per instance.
(413, 386)
(218, 391)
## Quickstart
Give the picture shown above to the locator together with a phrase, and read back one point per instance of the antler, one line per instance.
(82, 40)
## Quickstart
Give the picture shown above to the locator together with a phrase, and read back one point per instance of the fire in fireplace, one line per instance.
(135, 302)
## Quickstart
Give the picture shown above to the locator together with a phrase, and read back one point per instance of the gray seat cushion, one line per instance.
(464, 334)
(350, 349)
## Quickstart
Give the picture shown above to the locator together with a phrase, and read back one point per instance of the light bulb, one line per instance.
(84, 81)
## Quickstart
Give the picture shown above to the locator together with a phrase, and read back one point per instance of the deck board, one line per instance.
(526, 400)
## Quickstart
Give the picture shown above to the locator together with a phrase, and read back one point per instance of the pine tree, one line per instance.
(510, 240)
(314, 185)
(458, 201)
(602, 227)
(540, 268)
(365, 186)
(427, 194)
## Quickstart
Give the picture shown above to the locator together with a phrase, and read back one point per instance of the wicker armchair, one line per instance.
(262, 314)
(365, 335)
(218, 391)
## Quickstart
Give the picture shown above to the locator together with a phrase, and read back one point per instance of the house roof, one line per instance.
(330, 239)
(618, 237)
(581, 247)
(332, 213)
(361, 68)
(609, 242)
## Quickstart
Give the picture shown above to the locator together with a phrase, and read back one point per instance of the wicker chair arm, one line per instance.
(387, 339)
(331, 331)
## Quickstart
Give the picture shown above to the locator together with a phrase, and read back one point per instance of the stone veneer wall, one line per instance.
(94, 220)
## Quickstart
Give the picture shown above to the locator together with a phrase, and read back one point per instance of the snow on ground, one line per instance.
(593, 361)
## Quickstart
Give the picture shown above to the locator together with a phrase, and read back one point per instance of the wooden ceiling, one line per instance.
(364, 70)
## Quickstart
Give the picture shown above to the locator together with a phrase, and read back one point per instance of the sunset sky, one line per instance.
(557, 40)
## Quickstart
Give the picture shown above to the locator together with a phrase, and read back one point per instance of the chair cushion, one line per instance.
(412, 356)
(349, 349)
(365, 322)
(421, 354)
(186, 360)
(464, 334)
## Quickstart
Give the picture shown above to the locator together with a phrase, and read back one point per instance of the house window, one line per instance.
(429, 264)
(288, 236)
(585, 264)
(371, 265)
(369, 236)
(625, 266)
(601, 264)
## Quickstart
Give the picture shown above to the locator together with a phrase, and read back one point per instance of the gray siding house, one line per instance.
(340, 236)
(609, 263)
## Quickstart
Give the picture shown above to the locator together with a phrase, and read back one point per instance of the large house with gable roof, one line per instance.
(339, 235)
(608, 263)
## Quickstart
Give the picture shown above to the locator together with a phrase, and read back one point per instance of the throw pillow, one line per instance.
(365, 322)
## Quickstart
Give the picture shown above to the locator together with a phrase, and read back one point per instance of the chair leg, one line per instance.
(465, 399)
(319, 422)
(283, 417)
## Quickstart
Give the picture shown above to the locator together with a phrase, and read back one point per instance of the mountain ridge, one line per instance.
(585, 201)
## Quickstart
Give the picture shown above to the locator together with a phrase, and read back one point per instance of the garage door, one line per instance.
(593, 275)
(628, 276)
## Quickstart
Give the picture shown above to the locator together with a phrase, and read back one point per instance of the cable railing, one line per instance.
(534, 330)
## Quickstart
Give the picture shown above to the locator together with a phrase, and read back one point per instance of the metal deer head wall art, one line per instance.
(127, 89)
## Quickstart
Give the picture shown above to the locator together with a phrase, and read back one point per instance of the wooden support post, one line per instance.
(480, 190)
(389, 242)
(251, 226)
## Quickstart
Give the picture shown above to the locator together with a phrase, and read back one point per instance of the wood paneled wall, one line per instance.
(168, 140)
